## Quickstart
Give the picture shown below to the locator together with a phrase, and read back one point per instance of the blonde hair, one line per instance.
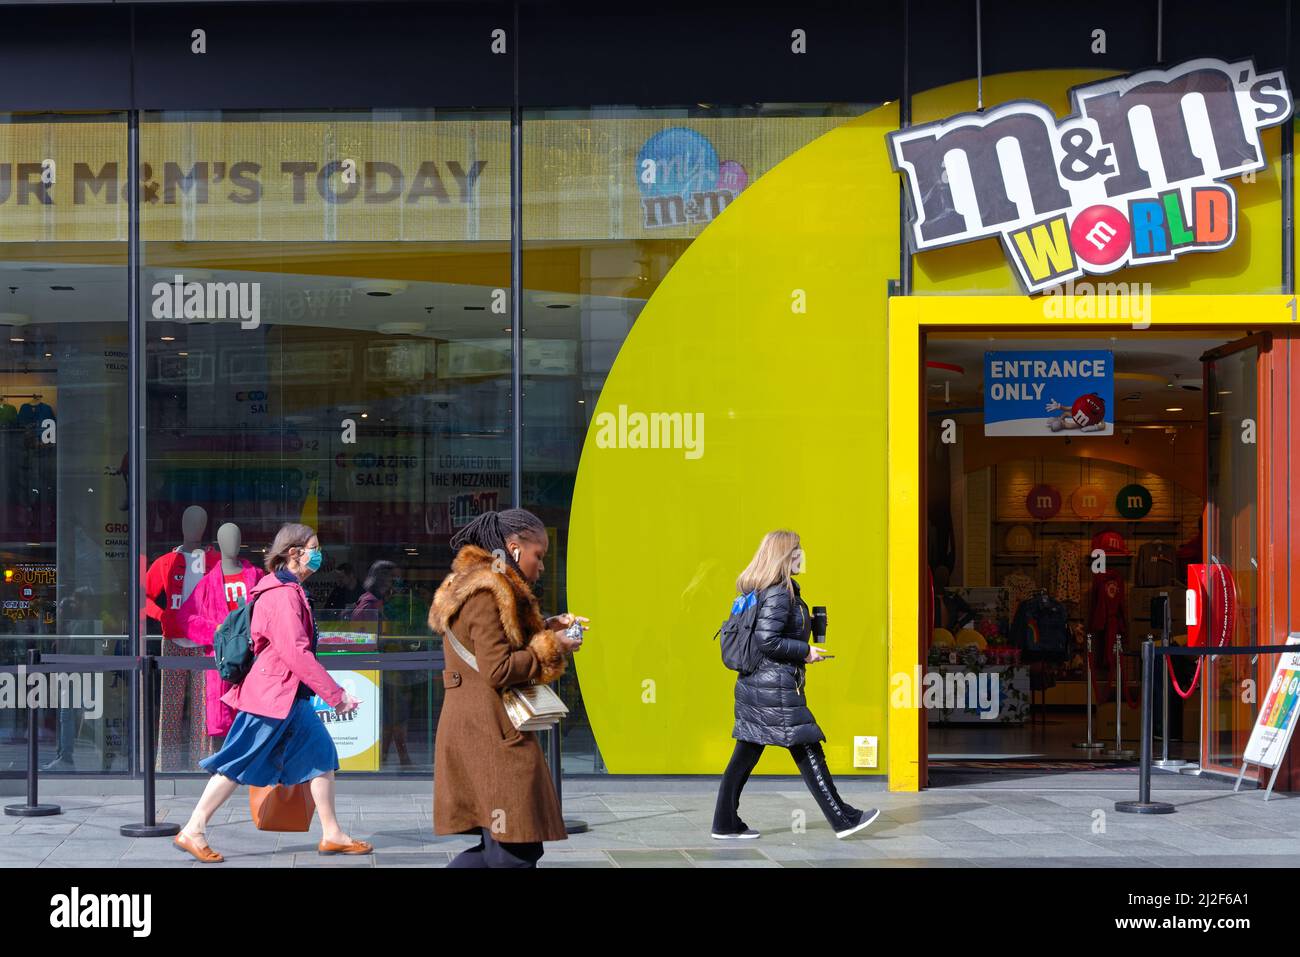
(292, 535)
(771, 564)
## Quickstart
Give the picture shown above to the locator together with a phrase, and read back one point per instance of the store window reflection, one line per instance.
(63, 395)
(326, 315)
(613, 197)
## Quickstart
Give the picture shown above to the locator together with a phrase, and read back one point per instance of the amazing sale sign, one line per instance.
(1134, 175)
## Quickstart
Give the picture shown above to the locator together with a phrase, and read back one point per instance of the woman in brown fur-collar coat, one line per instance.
(489, 778)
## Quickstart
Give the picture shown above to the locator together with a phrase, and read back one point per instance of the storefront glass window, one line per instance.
(63, 422)
(326, 298)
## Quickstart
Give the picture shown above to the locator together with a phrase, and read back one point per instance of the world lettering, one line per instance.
(1134, 175)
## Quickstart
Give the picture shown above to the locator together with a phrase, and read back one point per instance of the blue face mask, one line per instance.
(314, 562)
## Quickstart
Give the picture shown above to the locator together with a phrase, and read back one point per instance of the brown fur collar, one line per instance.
(473, 571)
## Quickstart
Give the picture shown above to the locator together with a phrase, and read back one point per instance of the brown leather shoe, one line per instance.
(205, 854)
(356, 847)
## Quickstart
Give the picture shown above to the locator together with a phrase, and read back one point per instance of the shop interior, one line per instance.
(1039, 543)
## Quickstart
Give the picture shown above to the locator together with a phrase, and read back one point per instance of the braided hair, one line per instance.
(490, 530)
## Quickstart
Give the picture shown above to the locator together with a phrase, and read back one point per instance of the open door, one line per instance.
(1225, 594)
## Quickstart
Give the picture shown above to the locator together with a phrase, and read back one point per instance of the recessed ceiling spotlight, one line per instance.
(380, 288)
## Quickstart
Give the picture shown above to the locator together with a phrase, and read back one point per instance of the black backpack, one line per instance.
(737, 632)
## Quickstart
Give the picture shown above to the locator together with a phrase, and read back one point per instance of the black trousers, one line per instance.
(812, 766)
(490, 853)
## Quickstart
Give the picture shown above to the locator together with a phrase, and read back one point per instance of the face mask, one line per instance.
(317, 556)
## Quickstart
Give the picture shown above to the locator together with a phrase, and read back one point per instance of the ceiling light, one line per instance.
(168, 338)
(380, 288)
(182, 353)
(16, 339)
(1175, 408)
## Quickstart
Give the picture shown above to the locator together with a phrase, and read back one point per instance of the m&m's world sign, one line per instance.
(1136, 174)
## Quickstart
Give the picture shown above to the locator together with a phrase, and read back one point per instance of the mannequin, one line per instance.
(169, 583)
(222, 590)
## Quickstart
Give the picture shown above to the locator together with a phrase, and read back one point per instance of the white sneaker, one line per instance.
(748, 834)
(869, 815)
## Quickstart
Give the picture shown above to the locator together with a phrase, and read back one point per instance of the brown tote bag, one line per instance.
(282, 807)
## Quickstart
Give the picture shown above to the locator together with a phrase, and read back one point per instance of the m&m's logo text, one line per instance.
(1134, 175)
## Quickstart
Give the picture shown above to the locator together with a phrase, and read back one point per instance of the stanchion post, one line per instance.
(33, 807)
(1088, 744)
(1165, 628)
(1119, 751)
(571, 825)
(1144, 804)
(150, 827)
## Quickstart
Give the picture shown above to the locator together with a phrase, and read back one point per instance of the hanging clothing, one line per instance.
(1106, 618)
(1156, 564)
(1066, 563)
(216, 595)
(1019, 586)
(1041, 629)
(8, 415)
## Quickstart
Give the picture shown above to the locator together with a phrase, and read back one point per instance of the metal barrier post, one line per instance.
(1119, 751)
(1144, 804)
(1089, 744)
(571, 825)
(150, 827)
(33, 807)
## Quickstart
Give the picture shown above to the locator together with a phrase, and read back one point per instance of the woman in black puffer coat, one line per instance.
(770, 703)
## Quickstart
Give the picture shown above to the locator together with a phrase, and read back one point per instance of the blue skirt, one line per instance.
(264, 751)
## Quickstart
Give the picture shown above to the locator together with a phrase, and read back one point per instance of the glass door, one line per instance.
(1227, 586)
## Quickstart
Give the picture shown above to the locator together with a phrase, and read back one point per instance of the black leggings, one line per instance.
(812, 766)
(490, 853)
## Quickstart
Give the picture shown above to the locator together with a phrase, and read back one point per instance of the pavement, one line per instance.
(665, 822)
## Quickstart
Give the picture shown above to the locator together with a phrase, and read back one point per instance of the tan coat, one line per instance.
(486, 773)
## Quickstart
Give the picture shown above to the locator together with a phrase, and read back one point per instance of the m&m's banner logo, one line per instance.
(1134, 175)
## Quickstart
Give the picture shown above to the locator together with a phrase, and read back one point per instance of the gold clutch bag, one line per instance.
(533, 707)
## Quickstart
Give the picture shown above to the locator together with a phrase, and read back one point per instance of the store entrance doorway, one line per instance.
(1075, 484)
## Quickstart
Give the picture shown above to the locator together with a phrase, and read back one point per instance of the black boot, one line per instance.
(841, 815)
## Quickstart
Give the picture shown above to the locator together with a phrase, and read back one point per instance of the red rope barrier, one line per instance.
(1173, 679)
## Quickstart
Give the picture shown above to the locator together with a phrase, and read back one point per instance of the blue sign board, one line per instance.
(1049, 392)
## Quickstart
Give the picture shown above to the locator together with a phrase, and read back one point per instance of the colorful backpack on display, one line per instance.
(738, 652)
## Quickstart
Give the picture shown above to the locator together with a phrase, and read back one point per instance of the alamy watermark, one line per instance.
(208, 301)
(79, 691)
(976, 691)
(651, 430)
(1099, 300)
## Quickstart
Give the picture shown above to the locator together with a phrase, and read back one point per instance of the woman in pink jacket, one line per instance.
(276, 738)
